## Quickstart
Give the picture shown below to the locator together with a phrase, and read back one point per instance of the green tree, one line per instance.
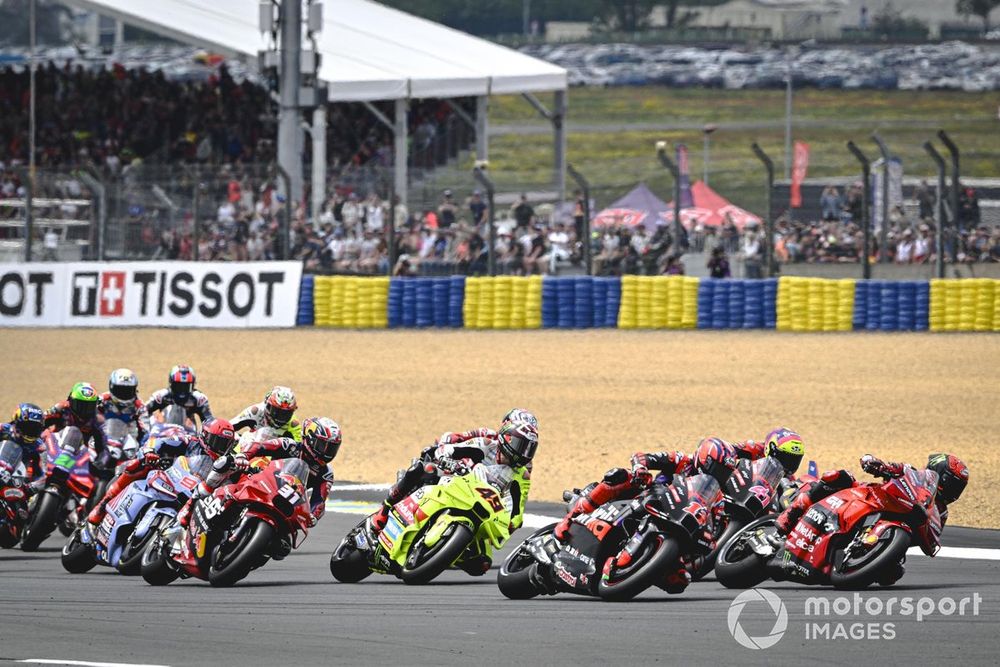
(980, 8)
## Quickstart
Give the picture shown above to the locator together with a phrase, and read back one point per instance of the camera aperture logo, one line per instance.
(770, 601)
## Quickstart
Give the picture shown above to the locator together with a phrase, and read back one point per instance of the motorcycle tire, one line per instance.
(708, 563)
(130, 562)
(78, 557)
(649, 568)
(890, 550)
(8, 537)
(100, 488)
(738, 569)
(154, 568)
(438, 558)
(514, 578)
(42, 522)
(348, 564)
(228, 568)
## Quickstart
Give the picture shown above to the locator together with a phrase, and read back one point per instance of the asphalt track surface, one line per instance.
(293, 613)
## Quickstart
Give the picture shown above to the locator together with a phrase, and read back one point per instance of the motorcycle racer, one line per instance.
(714, 457)
(180, 391)
(507, 453)
(79, 410)
(24, 429)
(782, 443)
(166, 443)
(276, 411)
(122, 402)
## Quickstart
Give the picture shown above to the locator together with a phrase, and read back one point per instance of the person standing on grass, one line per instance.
(718, 265)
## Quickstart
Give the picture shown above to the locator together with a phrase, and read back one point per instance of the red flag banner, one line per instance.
(800, 165)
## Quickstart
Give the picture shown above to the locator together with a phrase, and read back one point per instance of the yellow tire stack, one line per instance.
(936, 310)
(969, 290)
(533, 303)
(628, 308)
(349, 317)
(985, 296)
(659, 301)
(783, 304)
(337, 286)
(644, 303)
(814, 304)
(831, 305)
(518, 302)
(379, 303)
(675, 301)
(689, 307)
(321, 301)
(501, 302)
(484, 316)
(470, 305)
(845, 304)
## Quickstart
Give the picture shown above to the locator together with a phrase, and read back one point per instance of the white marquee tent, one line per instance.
(368, 52)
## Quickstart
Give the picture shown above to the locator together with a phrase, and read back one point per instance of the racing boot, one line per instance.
(281, 548)
(378, 520)
(476, 566)
(677, 581)
(787, 519)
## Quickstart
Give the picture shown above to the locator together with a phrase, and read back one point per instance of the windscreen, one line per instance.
(10, 454)
(704, 487)
(769, 469)
(116, 429)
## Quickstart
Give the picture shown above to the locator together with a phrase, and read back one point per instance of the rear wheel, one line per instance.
(861, 570)
(650, 565)
(514, 578)
(154, 567)
(130, 562)
(8, 537)
(78, 557)
(232, 562)
(41, 522)
(424, 563)
(737, 564)
(348, 563)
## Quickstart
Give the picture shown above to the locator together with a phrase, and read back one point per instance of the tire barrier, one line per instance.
(649, 302)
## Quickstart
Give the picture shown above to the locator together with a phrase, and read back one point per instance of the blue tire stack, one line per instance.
(456, 300)
(600, 301)
(305, 316)
(753, 304)
(770, 313)
(614, 301)
(440, 301)
(889, 308)
(860, 304)
(706, 297)
(394, 304)
(550, 302)
(565, 290)
(720, 305)
(737, 301)
(907, 306)
(583, 301)
(922, 305)
(425, 301)
(409, 318)
(874, 311)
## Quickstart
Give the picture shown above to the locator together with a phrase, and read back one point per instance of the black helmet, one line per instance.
(518, 442)
(953, 476)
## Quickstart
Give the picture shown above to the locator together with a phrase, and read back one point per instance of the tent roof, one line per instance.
(369, 51)
(639, 206)
(710, 208)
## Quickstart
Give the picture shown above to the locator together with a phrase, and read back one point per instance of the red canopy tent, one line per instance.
(710, 209)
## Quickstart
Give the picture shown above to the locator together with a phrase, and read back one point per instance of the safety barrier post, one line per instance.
(479, 171)
(768, 220)
(866, 222)
(953, 150)
(883, 240)
(585, 187)
(661, 152)
(938, 245)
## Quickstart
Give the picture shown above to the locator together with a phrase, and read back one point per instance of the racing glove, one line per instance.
(878, 468)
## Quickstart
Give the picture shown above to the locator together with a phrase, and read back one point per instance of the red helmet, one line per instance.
(953, 476)
(321, 438)
(217, 437)
(715, 457)
(181, 380)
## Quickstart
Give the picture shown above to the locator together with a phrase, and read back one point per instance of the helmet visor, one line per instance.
(30, 430)
(789, 461)
(325, 449)
(217, 444)
(123, 392)
(518, 448)
(950, 487)
(278, 416)
(181, 388)
(83, 409)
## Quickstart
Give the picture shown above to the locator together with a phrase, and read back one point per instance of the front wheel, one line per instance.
(130, 562)
(42, 521)
(233, 562)
(154, 567)
(737, 564)
(514, 578)
(861, 570)
(708, 564)
(348, 563)
(657, 554)
(78, 557)
(424, 563)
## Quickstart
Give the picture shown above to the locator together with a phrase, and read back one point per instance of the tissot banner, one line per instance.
(136, 294)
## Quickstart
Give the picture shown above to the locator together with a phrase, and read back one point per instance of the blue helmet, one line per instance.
(28, 421)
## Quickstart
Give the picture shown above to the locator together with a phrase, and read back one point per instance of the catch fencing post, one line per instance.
(479, 171)
(883, 241)
(768, 220)
(938, 244)
(585, 187)
(866, 222)
(29, 214)
(286, 234)
(955, 172)
(93, 181)
(661, 152)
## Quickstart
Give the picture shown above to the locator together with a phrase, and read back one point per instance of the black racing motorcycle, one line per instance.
(620, 549)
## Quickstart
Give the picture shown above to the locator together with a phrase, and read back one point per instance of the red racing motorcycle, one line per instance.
(222, 545)
(850, 539)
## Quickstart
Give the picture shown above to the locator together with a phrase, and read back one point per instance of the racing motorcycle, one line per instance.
(268, 517)
(120, 446)
(454, 523)
(68, 484)
(134, 518)
(620, 549)
(850, 539)
(13, 498)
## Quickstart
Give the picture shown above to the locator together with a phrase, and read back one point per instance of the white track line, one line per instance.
(85, 663)
(361, 487)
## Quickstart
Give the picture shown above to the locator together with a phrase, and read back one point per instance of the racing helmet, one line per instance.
(321, 439)
(518, 415)
(953, 476)
(518, 442)
(28, 422)
(181, 380)
(217, 437)
(715, 457)
(279, 406)
(83, 401)
(123, 386)
(786, 446)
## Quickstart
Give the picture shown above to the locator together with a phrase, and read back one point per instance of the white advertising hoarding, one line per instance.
(153, 294)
